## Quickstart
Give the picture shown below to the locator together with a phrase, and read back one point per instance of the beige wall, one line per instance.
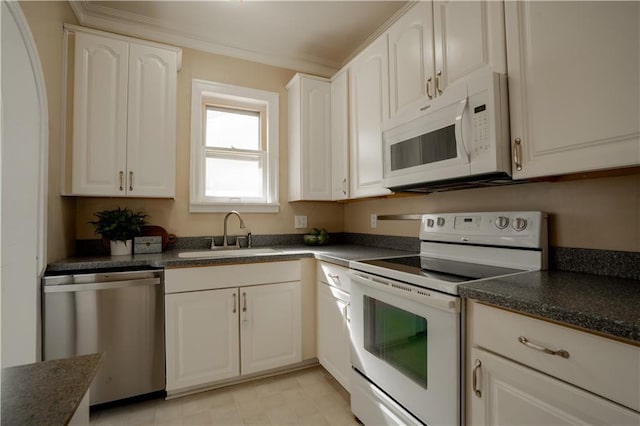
(579, 209)
(174, 215)
(45, 20)
(601, 213)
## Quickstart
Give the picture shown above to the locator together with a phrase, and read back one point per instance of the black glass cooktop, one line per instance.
(444, 270)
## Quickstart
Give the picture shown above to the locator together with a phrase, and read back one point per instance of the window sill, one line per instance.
(241, 208)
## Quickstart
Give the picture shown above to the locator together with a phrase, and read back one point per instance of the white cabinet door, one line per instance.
(340, 136)
(201, 337)
(411, 60)
(151, 136)
(270, 326)
(369, 96)
(124, 118)
(334, 339)
(469, 35)
(514, 394)
(309, 138)
(437, 44)
(574, 81)
(100, 115)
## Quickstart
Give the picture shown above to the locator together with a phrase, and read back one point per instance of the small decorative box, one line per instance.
(152, 244)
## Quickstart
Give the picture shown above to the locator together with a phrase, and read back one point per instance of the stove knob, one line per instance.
(519, 224)
(502, 222)
(429, 223)
(441, 221)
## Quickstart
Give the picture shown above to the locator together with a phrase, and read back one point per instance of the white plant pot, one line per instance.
(121, 248)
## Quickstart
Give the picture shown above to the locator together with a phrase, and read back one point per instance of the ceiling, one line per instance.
(316, 37)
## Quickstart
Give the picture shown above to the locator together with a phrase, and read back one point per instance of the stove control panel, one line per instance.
(511, 229)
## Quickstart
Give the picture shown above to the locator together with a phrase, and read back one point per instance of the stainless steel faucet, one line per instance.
(226, 218)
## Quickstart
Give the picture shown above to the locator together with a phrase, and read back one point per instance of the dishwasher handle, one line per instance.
(104, 285)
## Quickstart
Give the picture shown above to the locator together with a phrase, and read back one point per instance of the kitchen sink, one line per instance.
(221, 253)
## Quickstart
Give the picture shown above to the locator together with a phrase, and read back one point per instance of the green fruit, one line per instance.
(323, 238)
(314, 231)
(310, 239)
(323, 232)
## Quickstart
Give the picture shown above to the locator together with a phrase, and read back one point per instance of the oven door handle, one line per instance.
(423, 295)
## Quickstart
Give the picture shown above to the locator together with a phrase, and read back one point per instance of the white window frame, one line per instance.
(201, 91)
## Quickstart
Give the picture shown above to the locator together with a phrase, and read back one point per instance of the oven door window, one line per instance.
(397, 337)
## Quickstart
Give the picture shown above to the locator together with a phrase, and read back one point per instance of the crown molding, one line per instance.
(106, 19)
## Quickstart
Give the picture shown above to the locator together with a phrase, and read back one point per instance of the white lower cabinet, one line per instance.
(334, 340)
(526, 371)
(202, 333)
(512, 394)
(333, 307)
(269, 326)
(218, 334)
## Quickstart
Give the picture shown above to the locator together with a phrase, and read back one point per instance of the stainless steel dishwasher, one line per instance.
(119, 313)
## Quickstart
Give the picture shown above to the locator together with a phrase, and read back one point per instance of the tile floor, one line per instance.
(307, 397)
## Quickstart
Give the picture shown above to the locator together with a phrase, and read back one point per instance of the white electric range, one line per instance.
(406, 322)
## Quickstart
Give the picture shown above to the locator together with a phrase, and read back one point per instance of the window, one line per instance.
(234, 149)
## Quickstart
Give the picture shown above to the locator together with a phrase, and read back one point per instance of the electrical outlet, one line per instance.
(374, 220)
(300, 222)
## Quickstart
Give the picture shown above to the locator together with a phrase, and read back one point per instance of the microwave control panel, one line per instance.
(480, 127)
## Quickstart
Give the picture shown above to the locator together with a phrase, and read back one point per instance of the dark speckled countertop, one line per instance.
(605, 305)
(338, 254)
(595, 303)
(46, 393)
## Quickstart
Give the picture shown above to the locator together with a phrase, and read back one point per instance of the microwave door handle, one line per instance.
(462, 149)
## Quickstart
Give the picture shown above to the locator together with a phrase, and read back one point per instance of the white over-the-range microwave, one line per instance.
(459, 139)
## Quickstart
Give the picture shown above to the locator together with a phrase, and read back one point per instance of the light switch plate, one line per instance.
(300, 222)
(374, 220)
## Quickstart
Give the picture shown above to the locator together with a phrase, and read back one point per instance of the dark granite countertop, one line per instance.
(610, 306)
(595, 303)
(46, 393)
(339, 254)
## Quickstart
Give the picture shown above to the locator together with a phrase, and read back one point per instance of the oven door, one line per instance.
(431, 147)
(406, 340)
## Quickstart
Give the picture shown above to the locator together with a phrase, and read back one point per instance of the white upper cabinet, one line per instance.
(340, 136)
(435, 45)
(411, 60)
(574, 86)
(151, 133)
(369, 98)
(309, 100)
(124, 117)
(468, 35)
(99, 115)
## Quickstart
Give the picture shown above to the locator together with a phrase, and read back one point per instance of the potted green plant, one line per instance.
(119, 226)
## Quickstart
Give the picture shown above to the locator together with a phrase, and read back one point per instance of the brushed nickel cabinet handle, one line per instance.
(517, 153)
(344, 186)
(561, 353)
(438, 81)
(244, 302)
(121, 180)
(130, 181)
(429, 88)
(334, 277)
(235, 303)
(476, 371)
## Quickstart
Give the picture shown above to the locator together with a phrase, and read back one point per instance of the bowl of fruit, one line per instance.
(316, 237)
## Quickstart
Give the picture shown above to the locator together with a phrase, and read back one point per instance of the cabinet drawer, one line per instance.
(334, 275)
(214, 277)
(603, 366)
